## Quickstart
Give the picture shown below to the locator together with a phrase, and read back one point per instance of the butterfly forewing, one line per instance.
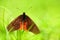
(32, 26)
(14, 25)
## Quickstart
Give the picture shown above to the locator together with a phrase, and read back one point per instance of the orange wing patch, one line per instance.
(23, 26)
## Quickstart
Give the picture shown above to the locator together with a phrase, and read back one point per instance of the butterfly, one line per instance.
(23, 22)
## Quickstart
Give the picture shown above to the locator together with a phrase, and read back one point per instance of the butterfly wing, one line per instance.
(14, 25)
(32, 26)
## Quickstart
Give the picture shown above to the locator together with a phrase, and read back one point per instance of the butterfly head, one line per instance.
(24, 16)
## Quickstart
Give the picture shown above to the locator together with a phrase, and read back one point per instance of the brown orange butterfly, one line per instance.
(23, 22)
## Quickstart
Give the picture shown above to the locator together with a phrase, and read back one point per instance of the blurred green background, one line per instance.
(45, 13)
